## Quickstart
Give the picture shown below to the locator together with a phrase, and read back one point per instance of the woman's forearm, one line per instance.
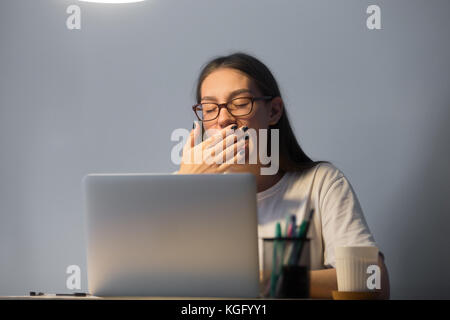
(322, 283)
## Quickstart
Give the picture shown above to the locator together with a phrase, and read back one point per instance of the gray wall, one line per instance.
(107, 97)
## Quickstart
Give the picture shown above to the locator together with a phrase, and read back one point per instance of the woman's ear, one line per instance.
(275, 110)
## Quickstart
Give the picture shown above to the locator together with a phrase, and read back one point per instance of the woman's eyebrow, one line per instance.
(231, 95)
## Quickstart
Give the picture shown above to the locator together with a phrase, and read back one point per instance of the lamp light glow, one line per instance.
(112, 1)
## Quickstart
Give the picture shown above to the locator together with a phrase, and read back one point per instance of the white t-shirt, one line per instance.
(338, 218)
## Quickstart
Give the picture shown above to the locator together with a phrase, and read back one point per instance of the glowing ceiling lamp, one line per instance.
(112, 1)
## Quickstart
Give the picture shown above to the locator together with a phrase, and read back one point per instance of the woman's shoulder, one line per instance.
(319, 178)
(323, 171)
(328, 171)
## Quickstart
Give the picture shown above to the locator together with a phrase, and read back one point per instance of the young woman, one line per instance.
(237, 92)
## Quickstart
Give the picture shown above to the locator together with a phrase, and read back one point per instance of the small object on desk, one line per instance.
(291, 230)
(75, 294)
(286, 226)
(297, 244)
(292, 281)
(302, 233)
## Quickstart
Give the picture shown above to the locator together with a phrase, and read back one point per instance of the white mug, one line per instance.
(351, 267)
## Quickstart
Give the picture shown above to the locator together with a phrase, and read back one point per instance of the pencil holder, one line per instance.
(286, 265)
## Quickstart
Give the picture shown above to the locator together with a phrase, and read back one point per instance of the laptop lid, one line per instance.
(172, 235)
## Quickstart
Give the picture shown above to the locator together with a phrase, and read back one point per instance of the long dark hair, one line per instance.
(292, 157)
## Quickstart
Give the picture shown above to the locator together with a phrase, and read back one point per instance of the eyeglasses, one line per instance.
(237, 107)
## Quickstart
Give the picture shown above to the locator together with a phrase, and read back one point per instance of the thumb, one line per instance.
(196, 133)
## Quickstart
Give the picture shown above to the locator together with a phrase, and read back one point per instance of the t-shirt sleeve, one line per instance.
(343, 222)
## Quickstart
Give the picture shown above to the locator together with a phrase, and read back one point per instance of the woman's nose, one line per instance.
(225, 118)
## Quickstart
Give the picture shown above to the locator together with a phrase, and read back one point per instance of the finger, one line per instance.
(228, 154)
(238, 158)
(231, 139)
(219, 148)
(195, 134)
(188, 149)
(191, 139)
(219, 136)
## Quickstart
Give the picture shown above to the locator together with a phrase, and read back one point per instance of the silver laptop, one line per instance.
(171, 235)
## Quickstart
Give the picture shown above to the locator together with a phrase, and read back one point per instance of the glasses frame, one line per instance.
(225, 105)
